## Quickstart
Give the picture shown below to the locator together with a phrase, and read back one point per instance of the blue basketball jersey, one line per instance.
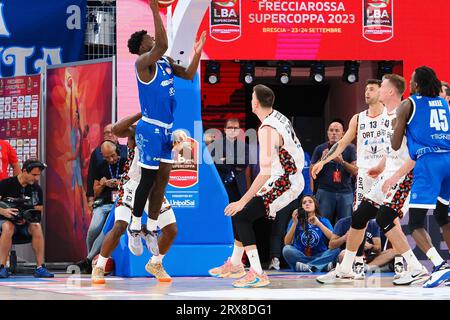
(157, 97)
(427, 130)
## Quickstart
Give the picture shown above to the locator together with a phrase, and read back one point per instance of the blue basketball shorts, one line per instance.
(431, 181)
(154, 144)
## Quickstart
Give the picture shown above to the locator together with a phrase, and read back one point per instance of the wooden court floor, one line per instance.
(284, 286)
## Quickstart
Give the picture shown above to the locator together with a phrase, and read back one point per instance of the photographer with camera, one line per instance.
(20, 214)
(306, 242)
(106, 182)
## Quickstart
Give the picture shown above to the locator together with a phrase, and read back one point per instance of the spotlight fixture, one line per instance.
(384, 67)
(351, 70)
(317, 72)
(247, 74)
(212, 73)
(284, 73)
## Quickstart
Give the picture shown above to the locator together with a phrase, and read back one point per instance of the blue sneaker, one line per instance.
(440, 274)
(42, 272)
(4, 272)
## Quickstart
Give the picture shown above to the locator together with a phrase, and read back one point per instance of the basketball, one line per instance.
(165, 3)
(109, 265)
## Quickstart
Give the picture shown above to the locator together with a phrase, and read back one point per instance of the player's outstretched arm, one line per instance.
(399, 124)
(189, 72)
(269, 145)
(122, 127)
(161, 43)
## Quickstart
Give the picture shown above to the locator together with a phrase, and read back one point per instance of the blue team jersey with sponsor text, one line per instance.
(157, 97)
(427, 130)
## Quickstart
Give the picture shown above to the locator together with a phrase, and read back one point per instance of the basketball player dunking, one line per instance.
(155, 78)
(122, 212)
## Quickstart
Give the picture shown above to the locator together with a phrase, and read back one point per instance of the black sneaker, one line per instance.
(85, 266)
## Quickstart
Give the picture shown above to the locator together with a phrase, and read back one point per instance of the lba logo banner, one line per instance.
(378, 21)
(34, 34)
(225, 20)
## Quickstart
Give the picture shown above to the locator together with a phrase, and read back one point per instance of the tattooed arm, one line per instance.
(338, 147)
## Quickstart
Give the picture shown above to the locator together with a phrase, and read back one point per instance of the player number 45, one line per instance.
(438, 120)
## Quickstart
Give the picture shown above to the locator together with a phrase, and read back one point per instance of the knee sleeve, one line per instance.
(416, 218)
(244, 221)
(143, 191)
(385, 218)
(363, 214)
(441, 214)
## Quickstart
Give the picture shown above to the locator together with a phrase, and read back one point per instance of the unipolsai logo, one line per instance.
(378, 20)
(225, 20)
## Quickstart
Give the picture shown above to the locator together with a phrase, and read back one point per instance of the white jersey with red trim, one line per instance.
(371, 139)
(394, 159)
(286, 181)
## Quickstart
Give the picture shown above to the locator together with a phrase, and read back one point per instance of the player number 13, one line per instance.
(438, 120)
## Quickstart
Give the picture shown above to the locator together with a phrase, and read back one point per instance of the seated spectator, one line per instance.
(306, 240)
(334, 182)
(21, 186)
(368, 253)
(106, 182)
(8, 157)
(281, 221)
(97, 159)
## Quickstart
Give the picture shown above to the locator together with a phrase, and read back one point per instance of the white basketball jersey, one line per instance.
(291, 143)
(134, 173)
(394, 159)
(371, 139)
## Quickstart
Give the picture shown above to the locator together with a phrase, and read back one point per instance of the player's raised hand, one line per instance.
(198, 46)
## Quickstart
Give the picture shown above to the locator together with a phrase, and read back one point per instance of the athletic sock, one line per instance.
(135, 223)
(101, 262)
(411, 260)
(359, 259)
(434, 256)
(157, 259)
(152, 225)
(347, 262)
(254, 261)
(236, 256)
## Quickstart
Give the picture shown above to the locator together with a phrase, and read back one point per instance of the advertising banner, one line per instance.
(34, 34)
(20, 99)
(78, 106)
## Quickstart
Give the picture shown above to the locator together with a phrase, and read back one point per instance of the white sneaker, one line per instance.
(151, 240)
(336, 276)
(275, 264)
(135, 243)
(302, 267)
(358, 269)
(439, 275)
(412, 277)
(399, 269)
